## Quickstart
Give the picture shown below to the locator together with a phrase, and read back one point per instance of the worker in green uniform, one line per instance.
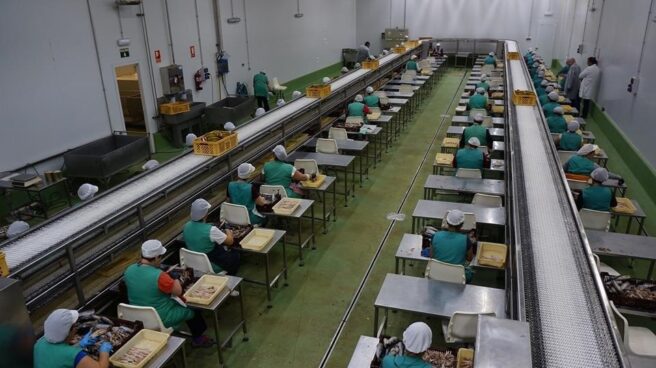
(471, 157)
(279, 172)
(551, 105)
(478, 101)
(571, 140)
(261, 90)
(540, 90)
(528, 56)
(483, 83)
(477, 130)
(412, 63)
(597, 197)
(417, 338)
(358, 108)
(149, 286)
(544, 96)
(371, 100)
(556, 122)
(562, 75)
(537, 80)
(56, 350)
(199, 236)
(243, 193)
(452, 246)
(490, 59)
(582, 163)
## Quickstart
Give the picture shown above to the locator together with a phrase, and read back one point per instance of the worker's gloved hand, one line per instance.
(87, 340)
(106, 347)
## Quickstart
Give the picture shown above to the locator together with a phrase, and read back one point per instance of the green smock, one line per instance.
(564, 72)
(597, 198)
(196, 235)
(411, 65)
(404, 361)
(549, 107)
(490, 60)
(372, 101)
(469, 158)
(48, 355)
(451, 247)
(544, 99)
(570, 141)
(478, 131)
(484, 85)
(142, 284)
(477, 101)
(557, 124)
(261, 85)
(356, 109)
(280, 173)
(580, 165)
(241, 193)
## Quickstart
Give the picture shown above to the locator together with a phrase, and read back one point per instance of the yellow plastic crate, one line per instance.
(444, 159)
(411, 43)
(370, 64)
(146, 340)
(624, 205)
(4, 269)
(523, 98)
(399, 50)
(318, 91)
(215, 143)
(513, 55)
(463, 354)
(492, 254)
(451, 143)
(174, 108)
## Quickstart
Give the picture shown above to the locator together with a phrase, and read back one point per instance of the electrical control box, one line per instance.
(394, 36)
(172, 79)
(222, 66)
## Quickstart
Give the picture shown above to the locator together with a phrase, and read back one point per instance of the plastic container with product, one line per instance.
(206, 289)
(316, 183)
(465, 355)
(140, 349)
(444, 159)
(174, 108)
(625, 206)
(318, 91)
(523, 98)
(257, 239)
(492, 254)
(286, 206)
(215, 143)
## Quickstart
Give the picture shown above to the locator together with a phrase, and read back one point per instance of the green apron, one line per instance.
(597, 198)
(544, 99)
(451, 247)
(411, 65)
(356, 109)
(142, 284)
(549, 107)
(580, 165)
(490, 60)
(241, 193)
(47, 355)
(469, 158)
(404, 361)
(260, 85)
(280, 173)
(484, 85)
(196, 235)
(477, 102)
(557, 124)
(477, 131)
(570, 141)
(372, 101)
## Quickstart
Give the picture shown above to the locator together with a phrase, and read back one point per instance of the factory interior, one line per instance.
(344, 183)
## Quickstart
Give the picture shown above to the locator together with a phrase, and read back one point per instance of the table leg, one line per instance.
(651, 269)
(629, 224)
(376, 321)
(241, 308)
(323, 202)
(360, 160)
(300, 243)
(334, 202)
(284, 258)
(353, 182)
(403, 266)
(366, 155)
(183, 356)
(346, 194)
(217, 337)
(396, 265)
(314, 238)
(266, 279)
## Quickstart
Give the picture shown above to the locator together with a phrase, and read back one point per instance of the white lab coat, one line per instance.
(589, 78)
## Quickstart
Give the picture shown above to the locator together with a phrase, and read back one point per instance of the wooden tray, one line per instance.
(153, 341)
(624, 205)
(219, 282)
(492, 254)
(286, 206)
(257, 239)
(316, 183)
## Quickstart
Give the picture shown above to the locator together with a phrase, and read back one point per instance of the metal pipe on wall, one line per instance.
(200, 44)
(248, 52)
(151, 71)
(219, 37)
(102, 80)
(168, 25)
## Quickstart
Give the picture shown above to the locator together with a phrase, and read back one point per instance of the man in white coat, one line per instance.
(589, 78)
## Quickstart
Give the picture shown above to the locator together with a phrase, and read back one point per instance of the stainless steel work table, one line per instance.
(365, 352)
(639, 215)
(496, 169)
(233, 283)
(170, 350)
(467, 120)
(408, 95)
(385, 122)
(351, 145)
(436, 210)
(465, 101)
(435, 298)
(401, 102)
(326, 213)
(265, 251)
(398, 122)
(623, 245)
(498, 150)
(299, 214)
(373, 135)
(463, 185)
(497, 134)
(502, 343)
(341, 162)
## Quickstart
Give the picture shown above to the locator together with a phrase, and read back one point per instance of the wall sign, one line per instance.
(158, 57)
(192, 51)
(125, 52)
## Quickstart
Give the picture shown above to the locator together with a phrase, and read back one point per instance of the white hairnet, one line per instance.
(491, 54)
(599, 174)
(150, 164)
(553, 96)
(386, 52)
(573, 126)
(16, 228)
(58, 325)
(479, 118)
(280, 102)
(326, 80)
(245, 170)
(413, 57)
(280, 152)
(152, 248)
(417, 338)
(549, 89)
(86, 191)
(345, 69)
(541, 73)
(483, 78)
(296, 94)
(359, 98)
(259, 111)
(357, 65)
(229, 126)
(535, 64)
(558, 110)
(530, 49)
(189, 139)
(586, 149)
(480, 90)
(455, 217)
(199, 209)
(370, 89)
(473, 141)
(544, 83)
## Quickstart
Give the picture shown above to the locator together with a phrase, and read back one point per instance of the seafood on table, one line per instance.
(134, 355)
(103, 329)
(440, 359)
(466, 363)
(203, 291)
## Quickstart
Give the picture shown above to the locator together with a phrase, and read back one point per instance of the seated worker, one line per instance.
(556, 122)
(477, 130)
(483, 83)
(540, 90)
(537, 80)
(597, 197)
(582, 163)
(246, 194)
(490, 59)
(544, 96)
(478, 101)
(529, 54)
(417, 338)
(551, 105)
(412, 64)
(452, 246)
(202, 237)
(471, 157)
(371, 100)
(149, 286)
(570, 140)
(358, 108)
(56, 349)
(279, 172)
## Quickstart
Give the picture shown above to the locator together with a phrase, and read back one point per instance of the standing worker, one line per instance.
(261, 90)
(149, 286)
(597, 197)
(572, 83)
(364, 52)
(490, 59)
(479, 100)
(471, 157)
(452, 246)
(477, 130)
(199, 236)
(589, 78)
(417, 338)
(562, 74)
(570, 140)
(56, 350)
(412, 63)
(371, 100)
(279, 172)
(243, 193)
(556, 122)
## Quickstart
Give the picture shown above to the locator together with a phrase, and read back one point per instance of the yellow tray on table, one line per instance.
(624, 205)
(492, 254)
(140, 349)
(286, 206)
(567, 108)
(316, 183)
(257, 239)
(498, 109)
(451, 143)
(568, 118)
(206, 289)
(444, 159)
(463, 355)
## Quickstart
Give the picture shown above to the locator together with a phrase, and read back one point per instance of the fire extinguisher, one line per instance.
(199, 78)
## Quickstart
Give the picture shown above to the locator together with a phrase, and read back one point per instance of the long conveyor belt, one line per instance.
(556, 286)
(50, 255)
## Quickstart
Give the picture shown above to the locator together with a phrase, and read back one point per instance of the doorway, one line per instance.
(129, 90)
